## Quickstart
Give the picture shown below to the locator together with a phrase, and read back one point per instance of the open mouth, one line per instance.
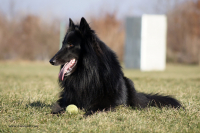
(67, 69)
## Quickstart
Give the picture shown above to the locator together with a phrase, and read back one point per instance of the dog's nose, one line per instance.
(52, 61)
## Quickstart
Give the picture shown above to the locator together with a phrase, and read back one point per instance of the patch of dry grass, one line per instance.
(27, 91)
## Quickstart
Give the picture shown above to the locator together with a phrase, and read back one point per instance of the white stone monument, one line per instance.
(145, 46)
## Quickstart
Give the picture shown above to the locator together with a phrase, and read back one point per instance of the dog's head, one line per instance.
(69, 53)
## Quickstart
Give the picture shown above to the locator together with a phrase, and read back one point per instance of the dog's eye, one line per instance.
(70, 45)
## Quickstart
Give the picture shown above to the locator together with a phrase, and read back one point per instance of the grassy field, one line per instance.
(27, 91)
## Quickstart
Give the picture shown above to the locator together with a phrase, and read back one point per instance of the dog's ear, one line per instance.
(84, 26)
(71, 23)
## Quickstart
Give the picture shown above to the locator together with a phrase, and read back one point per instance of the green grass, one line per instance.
(27, 91)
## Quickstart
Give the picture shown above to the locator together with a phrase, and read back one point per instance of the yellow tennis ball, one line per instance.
(72, 109)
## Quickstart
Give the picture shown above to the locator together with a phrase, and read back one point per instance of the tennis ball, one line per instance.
(72, 109)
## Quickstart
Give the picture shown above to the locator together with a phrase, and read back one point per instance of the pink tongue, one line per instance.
(65, 69)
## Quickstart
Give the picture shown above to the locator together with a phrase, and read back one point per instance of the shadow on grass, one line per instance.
(39, 104)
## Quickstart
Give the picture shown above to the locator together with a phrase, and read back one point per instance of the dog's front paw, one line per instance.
(56, 109)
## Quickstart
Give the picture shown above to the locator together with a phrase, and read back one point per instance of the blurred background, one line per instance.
(30, 29)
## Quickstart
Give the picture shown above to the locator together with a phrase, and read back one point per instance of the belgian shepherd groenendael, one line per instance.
(91, 76)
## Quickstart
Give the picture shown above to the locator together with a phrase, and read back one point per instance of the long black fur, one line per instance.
(98, 82)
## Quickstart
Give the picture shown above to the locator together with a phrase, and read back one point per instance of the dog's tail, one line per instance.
(157, 100)
(143, 100)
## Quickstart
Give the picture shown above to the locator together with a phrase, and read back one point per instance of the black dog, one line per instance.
(91, 75)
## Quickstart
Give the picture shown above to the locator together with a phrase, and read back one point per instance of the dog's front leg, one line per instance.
(60, 106)
(56, 109)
